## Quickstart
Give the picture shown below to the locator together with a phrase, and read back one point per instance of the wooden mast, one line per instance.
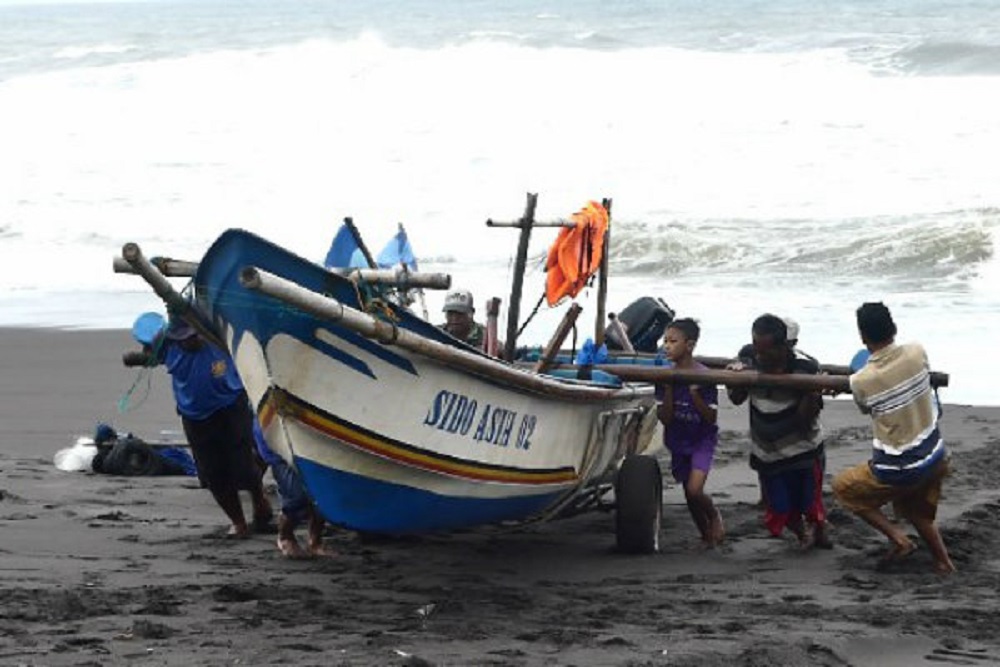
(514, 311)
(602, 281)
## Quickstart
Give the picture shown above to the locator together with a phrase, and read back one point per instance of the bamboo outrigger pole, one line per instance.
(174, 301)
(331, 310)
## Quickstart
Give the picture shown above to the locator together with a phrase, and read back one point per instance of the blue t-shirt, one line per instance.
(204, 380)
(688, 431)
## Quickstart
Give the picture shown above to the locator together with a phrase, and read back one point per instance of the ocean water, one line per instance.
(785, 156)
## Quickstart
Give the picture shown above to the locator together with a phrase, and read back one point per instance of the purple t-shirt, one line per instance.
(688, 431)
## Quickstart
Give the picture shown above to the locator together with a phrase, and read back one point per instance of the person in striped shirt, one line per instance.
(909, 460)
(786, 435)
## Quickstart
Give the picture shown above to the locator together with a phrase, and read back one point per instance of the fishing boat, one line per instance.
(395, 426)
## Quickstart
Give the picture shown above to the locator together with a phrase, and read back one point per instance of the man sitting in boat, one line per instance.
(459, 310)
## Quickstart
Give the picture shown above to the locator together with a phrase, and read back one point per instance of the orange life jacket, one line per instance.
(576, 254)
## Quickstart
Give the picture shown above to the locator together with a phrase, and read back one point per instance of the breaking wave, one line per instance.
(951, 246)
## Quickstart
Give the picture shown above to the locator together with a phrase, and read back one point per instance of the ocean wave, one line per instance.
(81, 52)
(945, 58)
(949, 246)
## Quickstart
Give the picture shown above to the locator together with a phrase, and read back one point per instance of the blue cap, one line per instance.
(147, 327)
(860, 359)
(179, 329)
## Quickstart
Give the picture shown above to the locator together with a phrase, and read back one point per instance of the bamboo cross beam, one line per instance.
(518, 224)
(399, 277)
(172, 268)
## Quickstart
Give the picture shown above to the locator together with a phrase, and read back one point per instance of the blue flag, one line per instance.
(396, 251)
(344, 251)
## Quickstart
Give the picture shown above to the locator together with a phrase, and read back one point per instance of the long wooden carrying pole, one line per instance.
(938, 378)
(747, 379)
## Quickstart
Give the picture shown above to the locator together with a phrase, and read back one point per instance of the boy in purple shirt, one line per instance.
(690, 433)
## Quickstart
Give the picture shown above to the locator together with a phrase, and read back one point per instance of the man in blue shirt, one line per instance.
(215, 413)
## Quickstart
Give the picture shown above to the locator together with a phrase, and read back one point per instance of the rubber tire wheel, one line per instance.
(639, 505)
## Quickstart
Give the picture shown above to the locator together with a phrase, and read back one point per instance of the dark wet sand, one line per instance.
(98, 570)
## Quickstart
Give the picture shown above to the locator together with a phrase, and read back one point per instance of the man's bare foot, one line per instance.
(944, 568)
(238, 532)
(898, 552)
(320, 551)
(717, 529)
(799, 530)
(821, 539)
(290, 547)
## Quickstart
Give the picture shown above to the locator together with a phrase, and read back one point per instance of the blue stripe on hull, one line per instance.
(369, 505)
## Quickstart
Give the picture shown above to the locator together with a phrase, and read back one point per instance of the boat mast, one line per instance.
(602, 281)
(514, 311)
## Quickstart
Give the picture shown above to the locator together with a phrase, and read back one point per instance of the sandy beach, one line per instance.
(98, 570)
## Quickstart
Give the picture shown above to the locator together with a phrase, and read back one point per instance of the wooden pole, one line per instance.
(938, 378)
(552, 349)
(420, 291)
(398, 276)
(514, 311)
(361, 244)
(619, 331)
(661, 374)
(602, 281)
(172, 268)
(175, 303)
(492, 345)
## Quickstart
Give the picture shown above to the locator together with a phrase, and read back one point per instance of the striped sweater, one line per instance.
(894, 387)
(779, 440)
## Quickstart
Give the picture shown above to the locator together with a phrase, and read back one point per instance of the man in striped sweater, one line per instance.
(909, 460)
(786, 435)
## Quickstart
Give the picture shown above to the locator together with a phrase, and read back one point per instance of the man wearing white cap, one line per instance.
(459, 310)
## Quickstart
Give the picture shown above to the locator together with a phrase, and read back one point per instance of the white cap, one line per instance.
(459, 301)
(793, 329)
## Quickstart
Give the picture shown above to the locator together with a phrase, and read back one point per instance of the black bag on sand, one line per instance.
(132, 457)
(644, 320)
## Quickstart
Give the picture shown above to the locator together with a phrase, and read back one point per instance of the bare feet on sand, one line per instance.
(944, 568)
(714, 533)
(320, 551)
(717, 529)
(898, 551)
(817, 538)
(238, 532)
(290, 548)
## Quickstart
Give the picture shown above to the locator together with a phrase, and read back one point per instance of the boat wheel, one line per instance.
(639, 505)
